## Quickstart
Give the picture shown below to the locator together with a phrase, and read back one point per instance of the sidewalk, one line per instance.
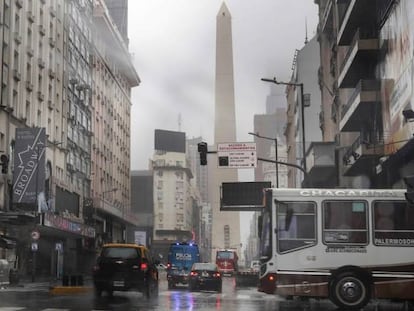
(55, 287)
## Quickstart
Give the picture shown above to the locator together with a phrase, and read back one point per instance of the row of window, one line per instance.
(344, 223)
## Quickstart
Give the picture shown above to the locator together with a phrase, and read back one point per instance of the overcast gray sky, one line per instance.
(173, 45)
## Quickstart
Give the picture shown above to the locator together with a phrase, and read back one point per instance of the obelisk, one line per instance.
(225, 225)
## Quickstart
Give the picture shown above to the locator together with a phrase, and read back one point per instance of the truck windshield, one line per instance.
(225, 255)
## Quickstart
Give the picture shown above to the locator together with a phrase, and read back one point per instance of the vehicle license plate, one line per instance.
(119, 283)
(204, 274)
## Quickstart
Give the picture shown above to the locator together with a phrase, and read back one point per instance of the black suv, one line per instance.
(124, 267)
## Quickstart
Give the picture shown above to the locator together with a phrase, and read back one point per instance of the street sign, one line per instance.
(237, 155)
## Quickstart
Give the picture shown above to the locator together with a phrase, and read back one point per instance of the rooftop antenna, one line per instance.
(306, 30)
(179, 122)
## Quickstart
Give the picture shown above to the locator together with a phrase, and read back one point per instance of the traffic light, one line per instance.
(409, 182)
(203, 150)
(4, 162)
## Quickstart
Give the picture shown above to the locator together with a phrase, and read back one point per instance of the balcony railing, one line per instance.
(360, 34)
(363, 85)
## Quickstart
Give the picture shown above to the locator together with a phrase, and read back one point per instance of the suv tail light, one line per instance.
(216, 274)
(193, 273)
(144, 266)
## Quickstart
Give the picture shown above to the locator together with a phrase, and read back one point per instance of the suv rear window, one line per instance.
(121, 252)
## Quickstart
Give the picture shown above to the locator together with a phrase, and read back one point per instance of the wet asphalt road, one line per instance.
(231, 299)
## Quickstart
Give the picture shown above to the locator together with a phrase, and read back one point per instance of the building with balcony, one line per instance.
(364, 77)
(113, 77)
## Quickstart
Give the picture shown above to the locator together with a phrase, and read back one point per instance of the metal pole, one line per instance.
(277, 165)
(276, 154)
(302, 100)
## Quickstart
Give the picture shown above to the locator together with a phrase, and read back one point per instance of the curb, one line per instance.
(67, 290)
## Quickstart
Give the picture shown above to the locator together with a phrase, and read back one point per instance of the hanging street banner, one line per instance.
(237, 155)
(29, 165)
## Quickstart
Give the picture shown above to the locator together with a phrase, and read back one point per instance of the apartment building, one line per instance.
(176, 199)
(53, 69)
(365, 78)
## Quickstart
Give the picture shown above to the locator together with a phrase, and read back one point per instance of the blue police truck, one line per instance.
(181, 257)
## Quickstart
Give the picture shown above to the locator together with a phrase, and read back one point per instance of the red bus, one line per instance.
(227, 261)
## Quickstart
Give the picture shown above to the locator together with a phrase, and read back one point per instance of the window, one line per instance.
(120, 252)
(296, 225)
(393, 223)
(345, 222)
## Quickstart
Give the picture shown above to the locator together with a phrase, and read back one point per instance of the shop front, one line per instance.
(64, 247)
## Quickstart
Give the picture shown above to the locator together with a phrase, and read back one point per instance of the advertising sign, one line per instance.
(29, 165)
(396, 74)
(140, 238)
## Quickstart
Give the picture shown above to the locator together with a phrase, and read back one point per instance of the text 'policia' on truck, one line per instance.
(181, 257)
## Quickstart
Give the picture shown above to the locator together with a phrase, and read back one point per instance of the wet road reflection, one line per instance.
(231, 299)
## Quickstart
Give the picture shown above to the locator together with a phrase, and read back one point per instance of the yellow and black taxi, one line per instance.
(125, 267)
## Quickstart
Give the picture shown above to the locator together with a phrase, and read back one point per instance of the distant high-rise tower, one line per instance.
(226, 225)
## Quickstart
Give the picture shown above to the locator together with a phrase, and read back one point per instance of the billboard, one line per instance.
(29, 165)
(397, 74)
(140, 238)
(169, 141)
(243, 196)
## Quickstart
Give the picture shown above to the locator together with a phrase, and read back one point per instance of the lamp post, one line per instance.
(302, 104)
(276, 154)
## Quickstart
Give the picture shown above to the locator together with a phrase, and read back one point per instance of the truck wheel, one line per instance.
(349, 290)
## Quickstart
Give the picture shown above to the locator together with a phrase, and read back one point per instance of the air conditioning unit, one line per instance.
(16, 75)
(30, 51)
(17, 37)
(41, 63)
(42, 30)
(29, 86)
(52, 42)
(40, 96)
(30, 16)
(52, 74)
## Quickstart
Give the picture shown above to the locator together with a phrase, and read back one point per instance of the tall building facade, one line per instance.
(50, 56)
(271, 126)
(303, 110)
(226, 225)
(113, 77)
(176, 200)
